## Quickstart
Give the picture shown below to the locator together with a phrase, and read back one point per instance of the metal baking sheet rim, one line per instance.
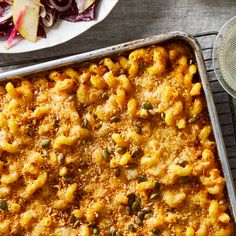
(190, 40)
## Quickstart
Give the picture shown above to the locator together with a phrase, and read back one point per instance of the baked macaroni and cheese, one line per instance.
(119, 146)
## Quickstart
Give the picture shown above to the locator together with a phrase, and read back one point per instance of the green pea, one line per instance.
(45, 143)
(106, 155)
(84, 123)
(3, 205)
(156, 231)
(115, 119)
(117, 172)
(192, 120)
(136, 206)
(147, 106)
(138, 129)
(121, 150)
(141, 178)
(135, 152)
(131, 228)
(154, 196)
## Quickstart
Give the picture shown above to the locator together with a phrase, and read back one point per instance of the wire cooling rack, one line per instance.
(224, 102)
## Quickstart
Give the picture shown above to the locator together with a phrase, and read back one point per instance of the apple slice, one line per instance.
(29, 25)
(83, 5)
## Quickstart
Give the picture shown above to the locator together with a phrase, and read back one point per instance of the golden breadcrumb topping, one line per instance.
(119, 146)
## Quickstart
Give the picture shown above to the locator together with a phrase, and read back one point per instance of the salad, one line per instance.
(30, 18)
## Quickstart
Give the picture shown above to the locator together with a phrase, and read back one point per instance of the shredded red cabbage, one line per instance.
(53, 10)
(6, 27)
(41, 31)
(73, 15)
(6, 22)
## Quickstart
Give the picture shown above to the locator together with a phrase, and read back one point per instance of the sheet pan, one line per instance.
(182, 36)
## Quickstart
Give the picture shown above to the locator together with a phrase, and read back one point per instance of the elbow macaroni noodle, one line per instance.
(119, 146)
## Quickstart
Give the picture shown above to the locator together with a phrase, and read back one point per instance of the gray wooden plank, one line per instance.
(133, 19)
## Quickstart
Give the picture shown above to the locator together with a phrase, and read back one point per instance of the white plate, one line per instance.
(61, 32)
